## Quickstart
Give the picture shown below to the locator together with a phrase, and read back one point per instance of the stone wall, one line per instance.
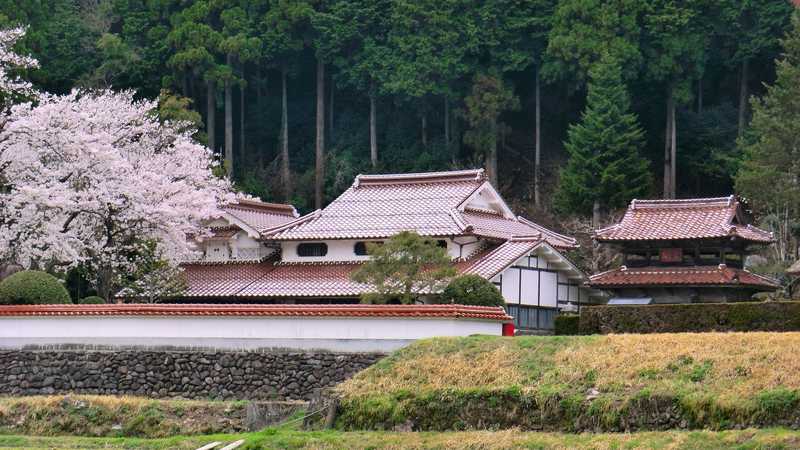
(199, 374)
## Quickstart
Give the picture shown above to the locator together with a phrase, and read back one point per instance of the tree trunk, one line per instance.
(668, 147)
(285, 175)
(260, 93)
(447, 128)
(211, 107)
(700, 95)
(673, 152)
(537, 168)
(596, 216)
(424, 129)
(491, 156)
(185, 87)
(228, 123)
(373, 135)
(330, 110)
(242, 113)
(319, 174)
(743, 96)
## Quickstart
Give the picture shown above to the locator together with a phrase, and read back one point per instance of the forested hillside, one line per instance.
(293, 93)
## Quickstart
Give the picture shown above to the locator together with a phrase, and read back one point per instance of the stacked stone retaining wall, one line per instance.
(267, 374)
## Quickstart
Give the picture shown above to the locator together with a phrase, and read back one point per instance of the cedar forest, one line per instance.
(574, 107)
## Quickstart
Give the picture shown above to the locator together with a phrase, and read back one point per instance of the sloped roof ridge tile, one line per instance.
(274, 208)
(297, 222)
(546, 230)
(420, 177)
(683, 202)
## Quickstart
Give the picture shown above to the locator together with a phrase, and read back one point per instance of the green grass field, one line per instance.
(509, 439)
(591, 383)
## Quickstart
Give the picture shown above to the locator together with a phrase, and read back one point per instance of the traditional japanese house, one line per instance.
(683, 251)
(309, 259)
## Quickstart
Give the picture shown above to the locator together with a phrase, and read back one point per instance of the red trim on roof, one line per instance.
(721, 275)
(399, 311)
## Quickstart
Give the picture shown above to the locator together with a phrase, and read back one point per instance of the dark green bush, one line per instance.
(472, 290)
(32, 287)
(696, 317)
(92, 300)
(567, 324)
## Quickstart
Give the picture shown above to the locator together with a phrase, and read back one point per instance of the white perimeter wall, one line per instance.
(334, 334)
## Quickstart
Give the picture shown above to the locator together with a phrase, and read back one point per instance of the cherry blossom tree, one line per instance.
(11, 86)
(92, 177)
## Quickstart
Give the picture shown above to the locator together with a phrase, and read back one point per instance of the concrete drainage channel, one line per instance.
(214, 445)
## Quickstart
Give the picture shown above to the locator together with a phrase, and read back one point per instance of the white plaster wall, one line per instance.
(549, 288)
(530, 287)
(230, 332)
(340, 250)
(217, 251)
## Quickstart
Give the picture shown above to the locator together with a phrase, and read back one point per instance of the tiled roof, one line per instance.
(403, 311)
(271, 279)
(431, 204)
(493, 225)
(680, 276)
(494, 261)
(384, 205)
(261, 215)
(682, 219)
(307, 280)
(222, 280)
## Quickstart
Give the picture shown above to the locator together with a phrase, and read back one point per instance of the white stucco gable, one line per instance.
(486, 198)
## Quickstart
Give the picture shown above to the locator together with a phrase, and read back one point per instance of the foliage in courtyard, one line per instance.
(471, 290)
(92, 300)
(31, 287)
(404, 269)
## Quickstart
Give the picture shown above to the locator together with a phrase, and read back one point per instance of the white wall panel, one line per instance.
(510, 289)
(548, 290)
(530, 287)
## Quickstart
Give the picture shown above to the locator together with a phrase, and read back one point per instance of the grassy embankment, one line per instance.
(509, 439)
(91, 415)
(580, 383)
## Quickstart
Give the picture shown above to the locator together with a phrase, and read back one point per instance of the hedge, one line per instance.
(31, 287)
(567, 325)
(694, 317)
(92, 300)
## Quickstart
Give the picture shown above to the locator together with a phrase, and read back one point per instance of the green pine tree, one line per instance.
(769, 173)
(604, 169)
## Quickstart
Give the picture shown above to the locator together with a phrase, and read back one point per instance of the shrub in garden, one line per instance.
(567, 324)
(472, 290)
(92, 300)
(32, 287)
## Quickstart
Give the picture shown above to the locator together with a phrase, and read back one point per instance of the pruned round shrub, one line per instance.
(472, 290)
(92, 300)
(31, 287)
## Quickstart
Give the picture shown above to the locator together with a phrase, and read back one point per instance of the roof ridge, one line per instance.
(262, 205)
(298, 221)
(420, 177)
(544, 230)
(682, 202)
